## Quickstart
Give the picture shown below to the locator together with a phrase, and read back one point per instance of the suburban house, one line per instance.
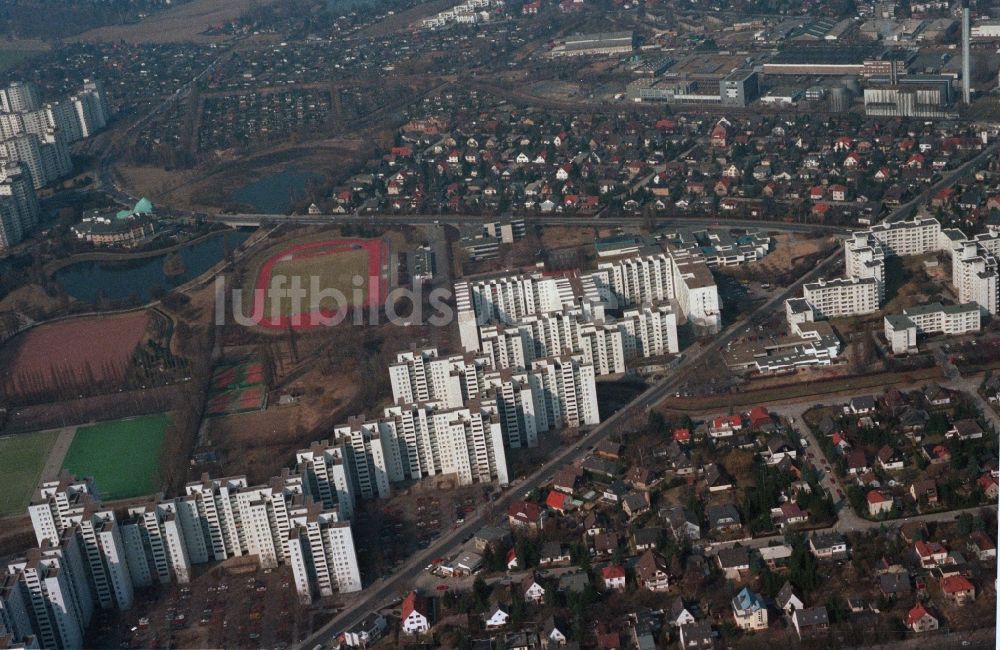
(924, 489)
(651, 572)
(532, 591)
(697, 636)
(613, 577)
(415, 615)
(787, 601)
(878, 503)
(982, 545)
(733, 560)
(497, 618)
(828, 546)
(724, 518)
(810, 620)
(679, 614)
(919, 619)
(930, 554)
(749, 610)
(525, 514)
(552, 554)
(367, 633)
(958, 589)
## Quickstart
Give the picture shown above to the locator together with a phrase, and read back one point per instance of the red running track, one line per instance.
(378, 283)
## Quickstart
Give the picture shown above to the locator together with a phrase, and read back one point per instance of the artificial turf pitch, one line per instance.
(123, 456)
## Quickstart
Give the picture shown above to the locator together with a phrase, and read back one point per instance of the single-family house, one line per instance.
(787, 600)
(919, 619)
(749, 610)
(613, 577)
(651, 572)
(415, 614)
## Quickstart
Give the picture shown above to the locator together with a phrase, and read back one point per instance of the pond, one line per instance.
(272, 194)
(117, 281)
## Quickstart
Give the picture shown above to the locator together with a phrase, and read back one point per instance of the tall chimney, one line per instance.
(966, 63)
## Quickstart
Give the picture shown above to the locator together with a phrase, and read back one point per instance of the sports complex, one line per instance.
(356, 268)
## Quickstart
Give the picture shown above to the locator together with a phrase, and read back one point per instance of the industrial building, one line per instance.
(925, 96)
(813, 61)
(600, 43)
(739, 88)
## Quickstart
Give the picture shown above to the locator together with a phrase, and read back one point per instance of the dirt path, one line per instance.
(58, 454)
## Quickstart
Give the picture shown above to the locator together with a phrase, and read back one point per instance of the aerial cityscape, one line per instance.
(499, 324)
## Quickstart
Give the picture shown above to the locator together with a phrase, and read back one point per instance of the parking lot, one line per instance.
(234, 605)
(389, 532)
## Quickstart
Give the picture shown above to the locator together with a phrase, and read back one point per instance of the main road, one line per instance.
(583, 221)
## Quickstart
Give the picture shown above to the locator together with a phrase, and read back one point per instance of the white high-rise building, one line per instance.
(54, 610)
(660, 277)
(19, 97)
(842, 297)
(650, 330)
(414, 441)
(326, 477)
(564, 391)
(512, 298)
(45, 156)
(423, 376)
(154, 538)
(57, 503)
(19, 209)
(321, 553)
(974, 271)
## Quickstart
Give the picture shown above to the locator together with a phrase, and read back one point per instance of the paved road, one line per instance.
(54, 461)
(586, 221)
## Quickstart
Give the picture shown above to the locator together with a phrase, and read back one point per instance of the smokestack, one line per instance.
(966, 63)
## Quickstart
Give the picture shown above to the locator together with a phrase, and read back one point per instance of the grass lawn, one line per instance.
(123, 456)
(22, 458)
(335, 271)
(10, 58)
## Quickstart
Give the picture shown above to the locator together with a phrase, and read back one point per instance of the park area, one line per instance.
(63, 355)
(353, 270)
(22, 458)
(237, 388)
(123, 456)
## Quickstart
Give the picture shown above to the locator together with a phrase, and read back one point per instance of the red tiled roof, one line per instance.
(412, 603)
(613, 571)
(915, 614)
(955, 584)
(556, 500)
(876, 497)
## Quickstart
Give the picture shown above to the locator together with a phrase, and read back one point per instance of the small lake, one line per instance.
(137, 278)
(272, 194)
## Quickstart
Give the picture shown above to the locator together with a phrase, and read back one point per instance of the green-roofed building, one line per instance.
(143, 206)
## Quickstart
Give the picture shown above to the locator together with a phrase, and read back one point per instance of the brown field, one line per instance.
(85, 347)
(788, 248)
(183, 24)
(260, 443)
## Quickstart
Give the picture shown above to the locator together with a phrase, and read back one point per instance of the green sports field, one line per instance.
(22, 458)
(123, 456)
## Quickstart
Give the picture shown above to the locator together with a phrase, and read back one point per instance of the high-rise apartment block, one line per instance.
(19, 209)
